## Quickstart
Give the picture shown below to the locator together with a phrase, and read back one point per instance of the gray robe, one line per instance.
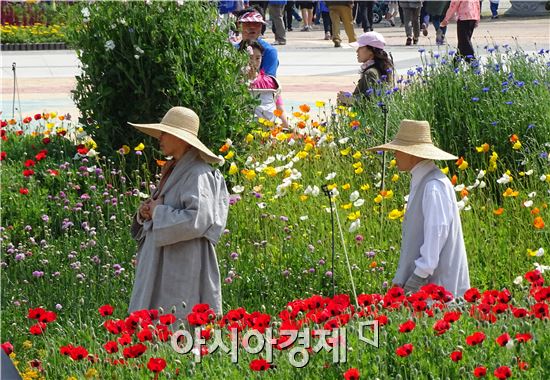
(176, 260)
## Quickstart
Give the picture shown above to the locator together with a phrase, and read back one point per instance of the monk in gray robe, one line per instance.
(179, 226)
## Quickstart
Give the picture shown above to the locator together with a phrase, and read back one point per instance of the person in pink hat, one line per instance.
(376, 67)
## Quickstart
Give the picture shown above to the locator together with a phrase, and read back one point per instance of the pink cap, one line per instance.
(373, 39)
(252, 16)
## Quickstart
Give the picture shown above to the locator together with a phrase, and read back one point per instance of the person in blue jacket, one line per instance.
(251, 22)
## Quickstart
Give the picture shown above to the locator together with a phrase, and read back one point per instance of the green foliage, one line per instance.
(139, 60)
(469, 105)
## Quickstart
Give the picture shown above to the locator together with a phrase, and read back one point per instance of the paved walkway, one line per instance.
(310, 68)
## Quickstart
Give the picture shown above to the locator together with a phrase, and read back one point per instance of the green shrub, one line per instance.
(139, 60)
(469, 105)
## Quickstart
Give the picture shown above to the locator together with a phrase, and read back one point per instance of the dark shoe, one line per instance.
(392, 23)
(409, 42)
(415, 41)
(279, 43)
(290, 29)
(424, 29)
(337, 44)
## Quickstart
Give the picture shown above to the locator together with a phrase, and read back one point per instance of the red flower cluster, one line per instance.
(404, 350)
(259, 365)
(351, 374)
(43, 317)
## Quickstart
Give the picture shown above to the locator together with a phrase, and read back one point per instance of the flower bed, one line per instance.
(66, 213)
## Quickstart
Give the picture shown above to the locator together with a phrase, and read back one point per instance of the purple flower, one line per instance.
(20, 256)
(28, 228)
(285, 273)
(138, 152)
(234, 198)
(321, 262)
(328, 273)
(370, 254)
(311, 270)
(283, 218)
(359, 238)
(45, 218)
(234, 255)
(228, 280)
(58, 306)
(37, 273)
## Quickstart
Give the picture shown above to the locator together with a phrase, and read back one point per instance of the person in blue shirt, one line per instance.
(251, 22)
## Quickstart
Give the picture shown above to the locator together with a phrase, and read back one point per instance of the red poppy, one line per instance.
(23, 190)
(29, 163)
(3, 155)
(7, 347)
(53, 172)
(502, 372)
(519, 312)
(382, 320)
(81, 149)
(541, 294)
(134, 351)
(41, 155)
(114, 326)
(472, 295)
(66, 350)
(540, 310)
(38, 328)
(259, 365)
(28, 172)
(456, 356)
(521, 338)
(452, 316)
(419, 305)
(46, 140)
(124, 339)
(441, 326)
(407, 326)
(167, 319)
(534, 277)
(475, 339)
(4, 123)
(503, 339)
(48, 316)
(504, 296)
(27, 120)
(524, 366)
(145, 334)
(480, 371)
(405, 350)
(111, 347)
(106, 310)
(163, 333)
(156, 364)
(500, 308)
(351, 374)
(78, 353)
(37, 116)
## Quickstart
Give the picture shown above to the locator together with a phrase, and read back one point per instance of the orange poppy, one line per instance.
(161, 162)
(535, 211)
(498, 211)
(301, 124)
(278, 113)
(514, 138)
(538, 223)
(454, 180)
(304, 108)
(464, 193)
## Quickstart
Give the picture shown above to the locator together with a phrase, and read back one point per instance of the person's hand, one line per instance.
(414, 283)
(145, 211)
(443, 24)
(155, 203)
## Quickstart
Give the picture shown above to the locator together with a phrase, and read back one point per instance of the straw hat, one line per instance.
(414, 138)
(184, 124)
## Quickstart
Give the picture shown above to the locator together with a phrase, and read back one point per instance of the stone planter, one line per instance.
(36, 46)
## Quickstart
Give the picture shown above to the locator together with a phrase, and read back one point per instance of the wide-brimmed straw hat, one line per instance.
(184, 124)
(414, 138)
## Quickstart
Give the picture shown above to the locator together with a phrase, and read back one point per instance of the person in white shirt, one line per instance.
(432, 248)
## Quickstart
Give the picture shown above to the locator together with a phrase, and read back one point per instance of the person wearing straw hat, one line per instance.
(376, 67)
(432, 247)
(179, 226)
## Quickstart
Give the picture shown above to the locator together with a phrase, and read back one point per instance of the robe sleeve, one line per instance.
(172, 225)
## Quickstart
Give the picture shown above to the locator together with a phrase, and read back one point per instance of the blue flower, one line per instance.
(490, 50)
(511, 75)
(531, 126)
(436, 55)
(509, 103)
(535, 82)
(421, 50)
(520, 83)
(456, 70)
(452, 52)
(505, 83)
(475, 99)
(410, 73)
(485, 89)
(541, 51)
(419, 69)
(443, 61)
(493, 123)
(544, 155)
(369, 91)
